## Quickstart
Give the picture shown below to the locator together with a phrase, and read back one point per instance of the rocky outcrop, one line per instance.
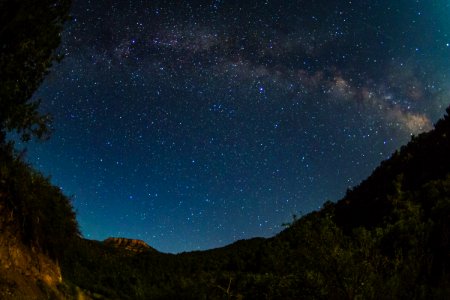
(133, 245)
(25, 273)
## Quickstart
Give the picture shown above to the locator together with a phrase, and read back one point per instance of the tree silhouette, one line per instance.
(30, 32)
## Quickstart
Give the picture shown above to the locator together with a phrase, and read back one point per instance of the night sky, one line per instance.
(193, 125)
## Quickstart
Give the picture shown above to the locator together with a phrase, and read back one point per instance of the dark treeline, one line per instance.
(30, 205)
(388, 238)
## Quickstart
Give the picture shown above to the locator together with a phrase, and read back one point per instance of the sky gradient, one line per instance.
(194, 125)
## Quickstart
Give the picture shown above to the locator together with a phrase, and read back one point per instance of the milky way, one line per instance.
(193, 125)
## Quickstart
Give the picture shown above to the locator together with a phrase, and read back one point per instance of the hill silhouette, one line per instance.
(132, 245)
(387, 238)
(36, 220)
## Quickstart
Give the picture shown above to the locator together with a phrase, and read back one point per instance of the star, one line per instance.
(192, 126)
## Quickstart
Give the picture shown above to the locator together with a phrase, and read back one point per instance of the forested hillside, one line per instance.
(36, 220)
(387, 238)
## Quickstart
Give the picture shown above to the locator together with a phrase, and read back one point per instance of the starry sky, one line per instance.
(193, 124)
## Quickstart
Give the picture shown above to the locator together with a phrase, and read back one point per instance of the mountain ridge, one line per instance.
(387, 238)
(132, 245)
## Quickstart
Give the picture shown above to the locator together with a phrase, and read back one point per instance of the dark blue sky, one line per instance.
(193, 125)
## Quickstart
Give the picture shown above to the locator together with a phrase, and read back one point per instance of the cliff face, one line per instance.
(133, 245)
(25, 273)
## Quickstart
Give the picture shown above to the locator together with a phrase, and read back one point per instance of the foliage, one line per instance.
(29, 34)
(31, 206)
(387, 239)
